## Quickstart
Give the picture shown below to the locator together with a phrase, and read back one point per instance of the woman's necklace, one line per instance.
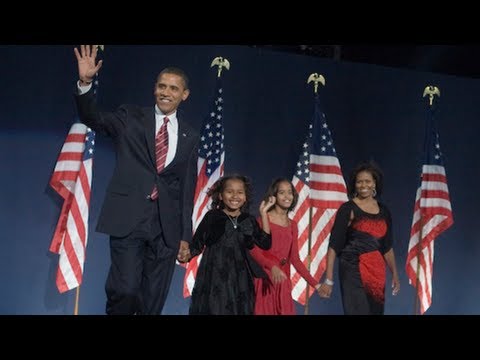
(234, 221)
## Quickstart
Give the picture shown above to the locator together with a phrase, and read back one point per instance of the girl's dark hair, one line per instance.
(273, 190)
(372, 168)
(218, 187)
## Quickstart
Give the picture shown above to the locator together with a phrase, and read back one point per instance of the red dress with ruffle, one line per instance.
(276, 299)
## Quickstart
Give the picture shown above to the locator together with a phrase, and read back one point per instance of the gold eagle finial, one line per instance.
(221, 62)
(316, 78)
(431, 91)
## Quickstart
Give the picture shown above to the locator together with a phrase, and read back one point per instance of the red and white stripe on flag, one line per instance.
(71, 179)
(432, 215)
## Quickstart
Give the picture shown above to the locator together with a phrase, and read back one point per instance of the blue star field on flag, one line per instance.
(211, 140)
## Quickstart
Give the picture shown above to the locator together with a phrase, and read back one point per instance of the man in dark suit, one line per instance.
(148, 205)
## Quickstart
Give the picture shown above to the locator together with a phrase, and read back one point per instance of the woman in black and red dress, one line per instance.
(362, 239)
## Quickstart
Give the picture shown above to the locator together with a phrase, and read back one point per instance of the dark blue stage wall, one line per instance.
(374, 113)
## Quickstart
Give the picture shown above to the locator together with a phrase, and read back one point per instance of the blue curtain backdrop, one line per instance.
(374, 112)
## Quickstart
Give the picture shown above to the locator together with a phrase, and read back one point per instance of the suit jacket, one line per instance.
(132, 129)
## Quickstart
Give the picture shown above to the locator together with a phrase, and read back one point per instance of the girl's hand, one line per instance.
(278, 275)
(395, 285)
(266, 205)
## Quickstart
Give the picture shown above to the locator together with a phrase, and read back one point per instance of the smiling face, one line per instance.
(364, 185)
(234, 195)
(170, 91)
(284, 196)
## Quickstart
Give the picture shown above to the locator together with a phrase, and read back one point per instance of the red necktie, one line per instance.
(161, 149)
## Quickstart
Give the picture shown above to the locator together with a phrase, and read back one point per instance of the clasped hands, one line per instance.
(184, 255)
(324, 290)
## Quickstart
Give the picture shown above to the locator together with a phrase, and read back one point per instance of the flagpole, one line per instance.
(77, 291)
(77, 300)
(309, 257)
(416, 305)
(316, 79)
(431, 91)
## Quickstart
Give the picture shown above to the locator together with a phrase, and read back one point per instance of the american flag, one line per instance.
(321, 188)
(431, 216)
(210, 167)
(72, 179)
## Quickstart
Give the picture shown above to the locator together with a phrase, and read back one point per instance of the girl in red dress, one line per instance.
(273, 296)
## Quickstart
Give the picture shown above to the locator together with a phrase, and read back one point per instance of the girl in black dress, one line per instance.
(224, 282)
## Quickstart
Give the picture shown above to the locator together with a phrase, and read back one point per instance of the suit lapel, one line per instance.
(149, 126)
(181, 141)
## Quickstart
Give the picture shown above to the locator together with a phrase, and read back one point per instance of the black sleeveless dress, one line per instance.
(360, 247)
